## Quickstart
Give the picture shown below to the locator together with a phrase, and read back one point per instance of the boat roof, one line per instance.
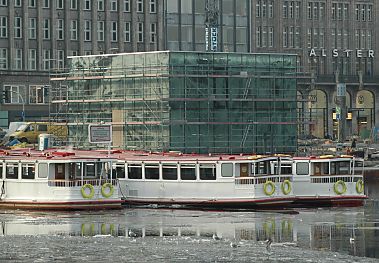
(129, 155)
(69, 154)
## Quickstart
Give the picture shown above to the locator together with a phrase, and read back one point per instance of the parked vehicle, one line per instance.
(29, 131)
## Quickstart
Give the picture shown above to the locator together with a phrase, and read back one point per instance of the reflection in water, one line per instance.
(350, 231)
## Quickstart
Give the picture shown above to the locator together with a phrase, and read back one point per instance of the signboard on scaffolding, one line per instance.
(100, 133)
(214, 38)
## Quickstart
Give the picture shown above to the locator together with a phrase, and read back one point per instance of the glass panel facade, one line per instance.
(185, 101)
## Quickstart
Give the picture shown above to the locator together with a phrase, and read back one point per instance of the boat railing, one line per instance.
(75, 183)
(262, 179)
(335, 178)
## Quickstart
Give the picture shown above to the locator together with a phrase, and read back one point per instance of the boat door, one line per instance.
(244, 169)
(59, 171)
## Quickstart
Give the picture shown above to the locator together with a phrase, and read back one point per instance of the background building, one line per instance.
(183, 101)
(335, 42)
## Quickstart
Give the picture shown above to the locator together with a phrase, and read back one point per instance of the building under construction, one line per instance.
(182, 101)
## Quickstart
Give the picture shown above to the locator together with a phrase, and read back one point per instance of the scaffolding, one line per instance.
(182, 101)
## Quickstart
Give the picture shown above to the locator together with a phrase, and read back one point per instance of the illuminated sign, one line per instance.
(359, 53)
(213, 38)
(206, 38)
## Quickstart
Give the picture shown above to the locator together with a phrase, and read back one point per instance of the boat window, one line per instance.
(42, 170)
(325, 168)
(340, 167)
(261, 168)
(75, 170)
(188, 172)
(207, 172)
(89, 170)
(60, 171)
(169, 172)
(286, 168)
(227, 170)
(119, 170)
(302, 168)
(152, 171)
(11, 171)
(134, 171)
(1, 170)
(27, 171)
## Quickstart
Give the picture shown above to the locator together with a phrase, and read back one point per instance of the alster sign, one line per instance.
(359, 53)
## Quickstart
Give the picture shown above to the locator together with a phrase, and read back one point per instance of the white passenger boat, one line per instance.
(328, 181)
(57, 180)
(225, 181)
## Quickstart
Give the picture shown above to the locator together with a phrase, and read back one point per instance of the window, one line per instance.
(100, 30)
(153, 32)
(302, 168)
(285, 37)
(118, 170)
(18, 59)
(169, 172)
(126, 5)
(291, 37)
(259, 36)
(87, 5)
(270, 36)
(310, 10)
(11, 171)
(322, 11)
(114, 5)
(74, 4)
(32, 59)
(140, 32)
(188, 172)
(139, 6)
(152, 6)
(46, 59)
(27, 171)
(16, 94)
(285, 9)
(271, 9)
(369, 13)
(74, 53)
(74, 29)
(334, 11)
(309, 38)
(100, 5)
(315, 11)
(134, 171)
(227, 170)
(3, 2)
(291, 10)
(60, 29)
(152, 171)
(322, 38)
(18, 3)
(32, 3)
(339, 12)
(38, 94)
(357, 16)
(297, 10)
(32, 28)
(113, 31)
(258, 9)
(297, 37)
(87, 52)
(46, 29)
(264, 9)
(87, 30)
(46, 4)
(60, 4)
(264, 36)
(60, 59)
(127, 32)
(3, 26)
(3, 58)
(346, 11)
(363, 12)
(207, 172)
(18, 27)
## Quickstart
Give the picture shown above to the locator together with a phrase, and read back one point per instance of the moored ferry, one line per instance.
(57, 180)
(224, 181)
(328, 180)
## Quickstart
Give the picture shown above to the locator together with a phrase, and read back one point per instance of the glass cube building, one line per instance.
(182, 101)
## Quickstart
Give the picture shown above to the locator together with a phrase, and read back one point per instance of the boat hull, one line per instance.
(329, 201)
(61, 205)
(227, 204)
